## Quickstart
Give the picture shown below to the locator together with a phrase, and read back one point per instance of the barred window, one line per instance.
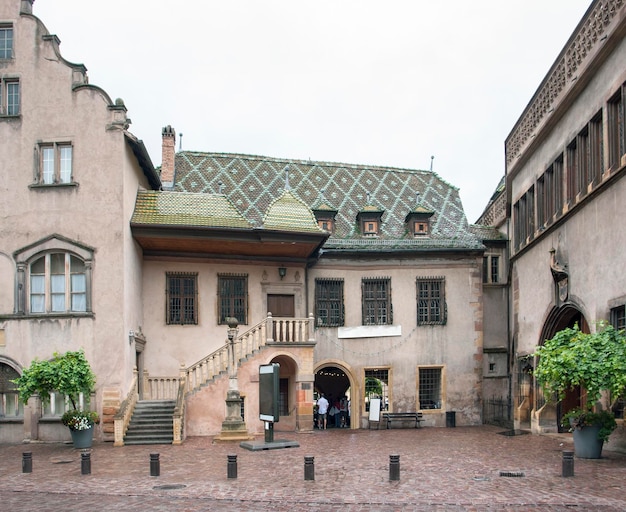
(430, 388)
(431, 304)
(232, 290)
(182, 298)
(618, 317)
(376, 298)
(329, 309)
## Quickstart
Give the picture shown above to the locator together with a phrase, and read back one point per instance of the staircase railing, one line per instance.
(179, 410)
(122, 418)
(269, 331)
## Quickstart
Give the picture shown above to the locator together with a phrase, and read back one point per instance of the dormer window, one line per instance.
(325, 215)
(418, 222)
(370, 219)
(420, 227)
(327, 224)
(370, 227)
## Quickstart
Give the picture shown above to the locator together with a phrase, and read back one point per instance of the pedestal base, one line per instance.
(233, 431)
(274, 445)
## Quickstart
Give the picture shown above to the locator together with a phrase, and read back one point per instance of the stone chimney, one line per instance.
(168, 148)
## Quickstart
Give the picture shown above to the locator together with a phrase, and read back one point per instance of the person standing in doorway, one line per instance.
(322, 411)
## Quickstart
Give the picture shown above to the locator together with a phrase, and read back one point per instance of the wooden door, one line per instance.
(281, 305)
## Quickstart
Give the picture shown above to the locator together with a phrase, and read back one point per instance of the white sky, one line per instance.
(387, 82)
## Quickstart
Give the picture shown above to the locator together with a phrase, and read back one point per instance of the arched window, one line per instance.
(10, 406)
(54, 277)
(57, 284)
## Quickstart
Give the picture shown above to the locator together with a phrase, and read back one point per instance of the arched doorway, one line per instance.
(287, 405)
(561, 318)
(334, 382)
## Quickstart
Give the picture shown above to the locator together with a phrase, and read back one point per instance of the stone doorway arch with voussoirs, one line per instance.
(335, 378)
(295, 393)
(558, 319)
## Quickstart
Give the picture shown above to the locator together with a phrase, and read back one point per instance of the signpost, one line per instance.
(269, 384)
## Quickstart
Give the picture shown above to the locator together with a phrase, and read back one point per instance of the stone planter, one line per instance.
(82, 438)
(586, 442)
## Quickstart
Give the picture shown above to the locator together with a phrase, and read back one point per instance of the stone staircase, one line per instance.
(151, 423)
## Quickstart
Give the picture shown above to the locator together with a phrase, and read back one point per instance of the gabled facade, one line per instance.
(70, 270)
(565, 196)
(393, 314)
(360, 281)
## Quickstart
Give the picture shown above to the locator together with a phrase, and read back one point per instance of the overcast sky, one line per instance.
(388, 82)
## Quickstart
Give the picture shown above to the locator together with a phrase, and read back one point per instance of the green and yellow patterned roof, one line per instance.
(254, 183)
(160, 208)
(288, 213)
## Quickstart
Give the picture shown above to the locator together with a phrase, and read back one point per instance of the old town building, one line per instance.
(360, 281)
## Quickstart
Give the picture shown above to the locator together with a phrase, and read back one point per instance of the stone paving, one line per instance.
(457, 469)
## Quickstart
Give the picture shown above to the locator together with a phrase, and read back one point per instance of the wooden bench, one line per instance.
(403, 416)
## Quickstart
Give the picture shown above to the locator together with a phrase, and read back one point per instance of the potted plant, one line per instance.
(69, 374)
(597, 363)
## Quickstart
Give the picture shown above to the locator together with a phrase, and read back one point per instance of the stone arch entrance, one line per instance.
(288, 396)
(561, 318)
(335, 380)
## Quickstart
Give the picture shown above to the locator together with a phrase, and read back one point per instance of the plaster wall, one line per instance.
(57, 105)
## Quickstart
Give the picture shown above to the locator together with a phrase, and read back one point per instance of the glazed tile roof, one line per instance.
(253, 183)
(186, 209)
(486, 232)
(288, 213)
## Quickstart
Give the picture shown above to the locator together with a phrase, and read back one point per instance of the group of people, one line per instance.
(336, 414)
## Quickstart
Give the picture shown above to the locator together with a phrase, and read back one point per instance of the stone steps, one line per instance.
(151, 423)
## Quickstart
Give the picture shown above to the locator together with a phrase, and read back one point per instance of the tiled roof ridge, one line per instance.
(320, 163)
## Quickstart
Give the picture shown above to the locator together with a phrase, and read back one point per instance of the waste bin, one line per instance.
(451, 419)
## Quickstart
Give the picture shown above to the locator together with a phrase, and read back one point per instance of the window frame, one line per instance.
(382, 374)
(10, 87)
(55, 291)
(184, 318)
(616, 129)
(435, 300)
(491, 269)
(233, 309)
(439, 401)
(52, 171)
(329, 299)
(7, 30)
(382, 306)
(53, 244)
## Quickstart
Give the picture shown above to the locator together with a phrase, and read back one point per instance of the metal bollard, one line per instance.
(27, 462)
(155, 464)
(85, 463)
(309, 468)
(231, 466)
(568, 463)
(394, 467)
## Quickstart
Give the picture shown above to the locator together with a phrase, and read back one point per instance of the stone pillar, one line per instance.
(233, 426)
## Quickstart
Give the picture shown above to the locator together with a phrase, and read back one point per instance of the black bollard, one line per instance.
(568, 463)
(231, 466)
(85, 463)
(309, 468)
(155, 465)
(394, 467)
(27, 462)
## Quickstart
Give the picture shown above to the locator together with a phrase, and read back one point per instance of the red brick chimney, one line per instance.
(168, 151)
